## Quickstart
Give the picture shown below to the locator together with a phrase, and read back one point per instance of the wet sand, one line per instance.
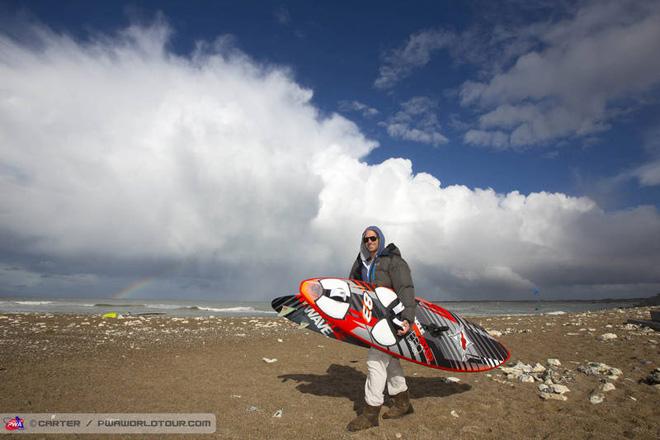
(73, 363)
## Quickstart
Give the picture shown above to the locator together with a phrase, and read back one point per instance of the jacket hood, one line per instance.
(364, 253)
(391, 249)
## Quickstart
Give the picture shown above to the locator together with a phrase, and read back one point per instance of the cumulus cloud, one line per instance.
(416, 121)
(359, 107)
(472, 243)
(217, 177)
(117, 150)
(399, 63)
(584, 72)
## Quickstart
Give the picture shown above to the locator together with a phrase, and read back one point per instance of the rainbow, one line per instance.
(134, 286)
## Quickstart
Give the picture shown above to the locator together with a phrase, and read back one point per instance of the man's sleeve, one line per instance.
(355, 270)
(403, 286)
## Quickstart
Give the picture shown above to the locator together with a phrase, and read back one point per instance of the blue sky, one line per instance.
(518, 97)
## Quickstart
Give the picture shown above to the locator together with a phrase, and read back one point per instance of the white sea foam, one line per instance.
(33, 303)
(234, 310)
(165, 306)
(227, 309)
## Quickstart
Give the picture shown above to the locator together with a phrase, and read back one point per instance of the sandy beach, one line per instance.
(76, 363)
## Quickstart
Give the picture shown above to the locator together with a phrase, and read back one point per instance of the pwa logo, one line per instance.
(14, 424)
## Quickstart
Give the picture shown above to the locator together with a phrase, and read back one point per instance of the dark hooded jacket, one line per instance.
(388, 270)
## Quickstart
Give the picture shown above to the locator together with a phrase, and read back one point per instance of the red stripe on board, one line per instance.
(437, 309)
(427, 350)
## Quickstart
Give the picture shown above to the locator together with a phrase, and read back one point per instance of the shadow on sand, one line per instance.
(347, 382)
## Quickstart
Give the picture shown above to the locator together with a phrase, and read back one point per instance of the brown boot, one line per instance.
(401, 407)
(367, 419)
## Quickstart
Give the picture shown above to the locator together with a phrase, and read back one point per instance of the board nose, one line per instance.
(311, 290)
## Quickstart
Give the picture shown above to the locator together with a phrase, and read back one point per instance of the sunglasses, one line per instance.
(367, 239)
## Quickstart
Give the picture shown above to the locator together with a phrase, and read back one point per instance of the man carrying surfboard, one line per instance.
(384, 267)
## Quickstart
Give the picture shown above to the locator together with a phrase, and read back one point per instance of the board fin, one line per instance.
(285, 311)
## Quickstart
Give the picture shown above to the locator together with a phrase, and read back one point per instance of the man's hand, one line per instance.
(406, 328)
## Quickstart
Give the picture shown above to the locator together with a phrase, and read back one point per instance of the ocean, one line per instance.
(192, 308)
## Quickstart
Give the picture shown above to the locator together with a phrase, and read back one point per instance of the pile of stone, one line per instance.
(603, 371)
(600, 369)
(507, 331)
(522, 372)
(527, 373)
(551, 377)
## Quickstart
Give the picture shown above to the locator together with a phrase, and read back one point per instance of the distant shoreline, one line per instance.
(636, 302)
(606, 300)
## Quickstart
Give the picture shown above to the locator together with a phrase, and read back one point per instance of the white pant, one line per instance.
(383, 369)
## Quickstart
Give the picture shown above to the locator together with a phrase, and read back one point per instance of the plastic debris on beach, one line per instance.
(278, 413)
(596, 398)
(269, 361)
(252, 408)
(111, 315)
(454, 413)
